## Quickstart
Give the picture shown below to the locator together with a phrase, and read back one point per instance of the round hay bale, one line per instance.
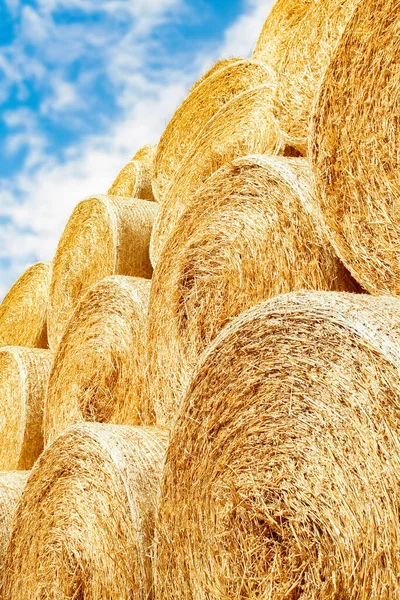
(12, 484)
(99, 367)
(282, 478)
(243, 126)
(24, 374)
(23, 312)
(248, 235)
(355, 142)
(146, 154)
(106, 235)
(134, 181)
(85, 524)
(226, 80)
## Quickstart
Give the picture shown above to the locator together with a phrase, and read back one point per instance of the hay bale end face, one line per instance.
(23, 312)
(99, 367)
(106, 235)
(85, 524)
(282, 478)
(12, 484)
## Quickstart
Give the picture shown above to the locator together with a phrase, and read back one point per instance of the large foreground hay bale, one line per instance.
(282, 479)
(24, 374)
(355, 147)
(226, 80)
(85, 524)
(244, 125)
(12, 484)
(105, 236)
(23, 312)
(249, 234)
(99, 367)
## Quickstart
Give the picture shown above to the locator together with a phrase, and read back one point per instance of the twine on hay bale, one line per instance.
(355, 141)
(135, 179)
(12, 484)
(249, 234)
(282, 478)
(226, 80)
(24, 374)
(23, 312)
(106, 235)
(99, 368)
(245, 125)
(85, 524)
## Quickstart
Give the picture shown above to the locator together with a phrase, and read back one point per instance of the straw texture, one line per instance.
(355, 147)
(105, 236)
(23, 312)
(282, 479)
(85, 524)
(245, 125)
(133, 181)
(99, 367)
(24, 374)
(146, 154)
(221, 84)
(12, 484)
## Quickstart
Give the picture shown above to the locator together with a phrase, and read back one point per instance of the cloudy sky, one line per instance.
(83, 85)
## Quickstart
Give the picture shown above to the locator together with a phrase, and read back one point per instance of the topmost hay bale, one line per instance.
(135, 179)
(299, 42)
(225, 80)
(282, 478)
(23, 312)
(355, 147)
(146, 154)
(105, 235)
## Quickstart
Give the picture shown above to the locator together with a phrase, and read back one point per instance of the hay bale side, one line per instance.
(99, 367)
(106, 235)
(248, 235)
(85, 524)
(146, 154)
(245, 125)
(12, 484)
(133, 181)
(23, 312)
(282, 478)
(355, 143)
(24, 374)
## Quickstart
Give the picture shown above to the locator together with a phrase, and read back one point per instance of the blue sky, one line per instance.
(83, 85)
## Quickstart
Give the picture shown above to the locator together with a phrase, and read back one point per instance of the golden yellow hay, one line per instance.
(248, 235)
(282, 478)
(24, 374)
(85, 524)
(133, 181)
(23, 312)
(106, 235)
(12, 484)
(245, 125)
(99, 367)
(355, 147)
(225, 81)
(146, 154)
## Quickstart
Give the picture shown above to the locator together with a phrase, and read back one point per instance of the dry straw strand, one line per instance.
(282, 478)
(106, 235)
(12, 484)
(23, 312)
(85, 524)
(24, 374)
(355, 147)
(99, 368)
(249, 234)
(245, 125)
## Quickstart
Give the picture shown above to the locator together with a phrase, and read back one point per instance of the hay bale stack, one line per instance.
(105, 236)
(245, 125)
(248, 235)
(99, 367)
(85, 524)
(221, 84)
(282, 479)
(12, 484)
(355, 143)
(24, 374)
(23, 312)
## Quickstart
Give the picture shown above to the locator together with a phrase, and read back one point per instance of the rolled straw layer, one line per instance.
(282, 479)
(24, 374)
(106, 235)
(249, 234)
(133, 181)
(146, 154)
(245, 125)
(99, 367)
(85, 524)
(226, 80)
(355, 144)
(12, 484)
(23, 312)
